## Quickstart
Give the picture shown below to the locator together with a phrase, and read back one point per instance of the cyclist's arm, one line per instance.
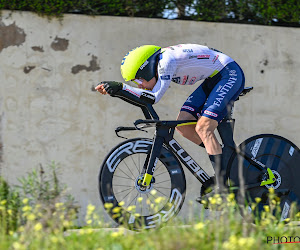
(166, 69)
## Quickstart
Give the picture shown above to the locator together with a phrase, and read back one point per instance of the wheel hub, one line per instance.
(143, 189)
(277, 182)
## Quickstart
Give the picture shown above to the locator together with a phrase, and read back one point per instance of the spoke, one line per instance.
(163, 187)
(129, 168)
(148, 205)
(124, 191)
(162, 182)
(161, 173)
(126, 195)
(161, 192)
(133, 200)
(152, 196)
(117, 185)
(161, 164)
(123, 177)
(125, 173)
(135, 163)
(139, 164)
(141, 205)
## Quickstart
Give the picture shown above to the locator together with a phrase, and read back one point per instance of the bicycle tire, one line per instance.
(282, 157)
(112, 180)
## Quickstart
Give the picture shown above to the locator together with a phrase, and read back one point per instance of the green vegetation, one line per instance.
(267, 12)
(39, 215)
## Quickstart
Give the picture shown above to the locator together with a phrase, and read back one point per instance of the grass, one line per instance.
(224, 229)
(40, 216)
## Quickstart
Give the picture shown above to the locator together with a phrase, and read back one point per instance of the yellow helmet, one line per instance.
(140, 63)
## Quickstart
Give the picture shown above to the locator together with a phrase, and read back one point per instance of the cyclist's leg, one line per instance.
(192, 107)
(216, 107)
(188, 131)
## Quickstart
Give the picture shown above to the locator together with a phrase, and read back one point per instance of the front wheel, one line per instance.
(126, 201)
(276, 153)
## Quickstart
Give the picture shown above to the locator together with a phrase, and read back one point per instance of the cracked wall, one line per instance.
(49, 113)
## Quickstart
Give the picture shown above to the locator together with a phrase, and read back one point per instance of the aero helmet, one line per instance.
(140, 63)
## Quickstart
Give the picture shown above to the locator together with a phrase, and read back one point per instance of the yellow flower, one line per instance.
(108, 205)
(38, 226)
(140, 199)
(121, 204)
(67, 223)
(31, 217)
(59, 204)
(271, 190)
(153, 192)
(239, 243)
(230, 197)
(9, 211)
(199, 226)
(159, 200)
(17, 245)
(219, 200)
(203, 202)
(267, 208)
(91, 208)
(257, 199)
(3, 202)
(25, 201)
(130, 208)
(54, 239)
(26, 208)
(116, 210)
(119, 233)
(212, 200)
(115, 234)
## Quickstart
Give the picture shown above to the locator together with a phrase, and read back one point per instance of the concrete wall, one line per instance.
(48, 111)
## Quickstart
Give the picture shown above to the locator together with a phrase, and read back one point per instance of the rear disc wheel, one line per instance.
(276, 153)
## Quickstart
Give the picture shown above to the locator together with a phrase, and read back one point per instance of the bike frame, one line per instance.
(164, 135)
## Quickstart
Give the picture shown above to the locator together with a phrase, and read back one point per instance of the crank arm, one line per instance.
(247, 187)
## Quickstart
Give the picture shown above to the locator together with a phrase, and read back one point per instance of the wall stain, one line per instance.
(94, 66)
(11, 35)
(27, 69)
(60, 44)
(37, 48)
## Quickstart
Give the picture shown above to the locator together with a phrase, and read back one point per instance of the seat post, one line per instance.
(226, 128)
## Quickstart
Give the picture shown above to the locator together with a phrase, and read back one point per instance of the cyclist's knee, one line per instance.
(205, 127)
(184, 130)
(181, 130)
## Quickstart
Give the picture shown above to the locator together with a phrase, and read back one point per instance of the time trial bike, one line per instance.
(143, 184)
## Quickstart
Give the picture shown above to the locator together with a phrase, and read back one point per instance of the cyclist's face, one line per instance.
(147, 84)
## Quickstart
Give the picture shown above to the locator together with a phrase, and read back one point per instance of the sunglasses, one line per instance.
(137, 81)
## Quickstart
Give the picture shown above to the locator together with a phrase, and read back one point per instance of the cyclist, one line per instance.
(154, 68)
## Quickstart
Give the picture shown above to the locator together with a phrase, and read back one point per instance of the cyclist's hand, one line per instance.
(112, 87)
(109, 87)
(100, 88)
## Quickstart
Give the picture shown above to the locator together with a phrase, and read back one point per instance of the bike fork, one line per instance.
(152, 158)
